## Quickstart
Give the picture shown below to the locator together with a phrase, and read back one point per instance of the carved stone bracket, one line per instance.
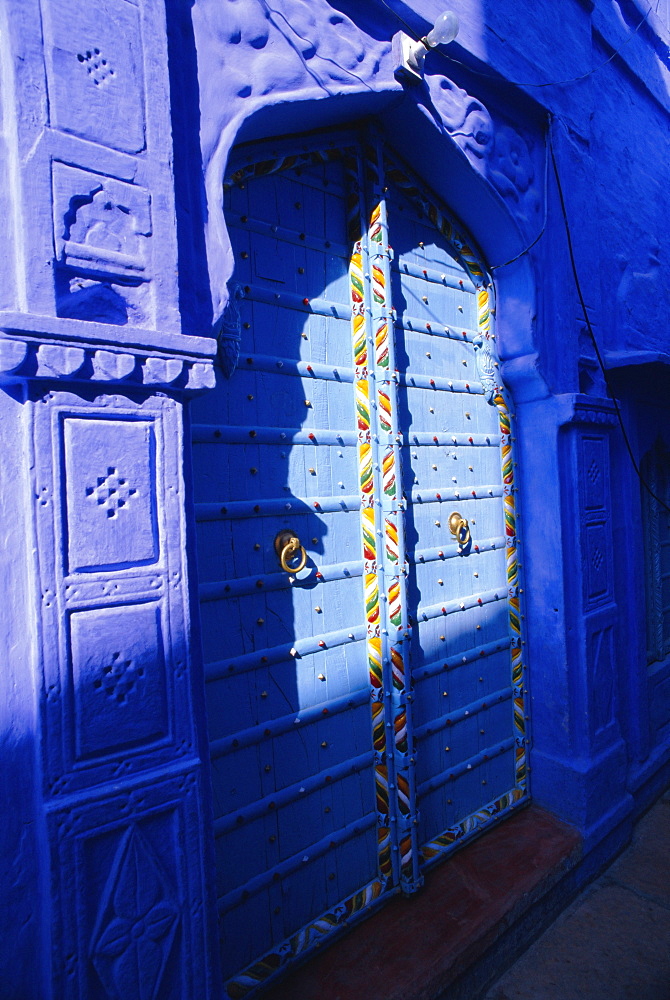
(28, 359)
(485, 361)
(230, 334)
(495, 149)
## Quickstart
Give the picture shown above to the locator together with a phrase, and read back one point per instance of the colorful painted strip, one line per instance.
(394, 565)
(279, 163)
(471, 824)
(388, 473)
(369, 544)
(391, 539)
(362, 405)
(245, 984)
(365, 406)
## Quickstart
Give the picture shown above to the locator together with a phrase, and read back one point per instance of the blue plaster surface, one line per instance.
(119, 119)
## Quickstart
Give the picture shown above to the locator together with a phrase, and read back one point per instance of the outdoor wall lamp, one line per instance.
(410, 54)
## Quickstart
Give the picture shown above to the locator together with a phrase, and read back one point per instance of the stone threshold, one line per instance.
(476, 913)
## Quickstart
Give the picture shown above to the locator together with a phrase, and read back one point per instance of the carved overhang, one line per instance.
(582, 409)
(22, 358)
(254, 54)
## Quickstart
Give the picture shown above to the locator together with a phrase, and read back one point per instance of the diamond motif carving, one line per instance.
(595, 464)
(136, 922)
(593, 472)
(118, 678)
(112, 492)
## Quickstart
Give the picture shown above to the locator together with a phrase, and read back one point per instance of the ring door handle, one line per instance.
(292, 555)
(460, 529)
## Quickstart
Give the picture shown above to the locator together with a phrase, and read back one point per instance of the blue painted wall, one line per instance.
(118, 118)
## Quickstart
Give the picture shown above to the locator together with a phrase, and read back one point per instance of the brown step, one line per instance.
(416, 947)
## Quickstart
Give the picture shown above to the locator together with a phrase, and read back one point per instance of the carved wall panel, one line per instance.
(101, 225)
(102, 228)
(465, 118)
(121, 880)
(494, 148)
(137, 920)
(594, 465)
(113, 905)
(118, 679)
(111, 535)
(110, 474)
(92, 201)
(595, 519)
(589, 567)
(597, 563)
(118, 745)
(94, 61)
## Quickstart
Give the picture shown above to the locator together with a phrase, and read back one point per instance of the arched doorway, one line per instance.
(366, 711)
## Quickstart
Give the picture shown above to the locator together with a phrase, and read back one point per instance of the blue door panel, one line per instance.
(247, 932)
(235, 864)
(455, 472)
(288, 688)
(500, 771)
(463, 698)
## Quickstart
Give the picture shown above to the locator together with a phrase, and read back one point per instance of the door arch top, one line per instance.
(347, 77)
(405, 125)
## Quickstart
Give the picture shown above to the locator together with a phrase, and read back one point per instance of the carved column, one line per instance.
(581, 770)
(105, 856)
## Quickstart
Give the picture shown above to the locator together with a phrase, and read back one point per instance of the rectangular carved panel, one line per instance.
(594, 466)
(94, 63)
(597, 556)
(595, 519)
(118, 679)
(101, 225)
(114, 621)
(600, 655)
(111, 509)
(102, 238)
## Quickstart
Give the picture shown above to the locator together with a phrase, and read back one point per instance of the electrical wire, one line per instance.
(596, 348)
(516, 83)
(575, 273)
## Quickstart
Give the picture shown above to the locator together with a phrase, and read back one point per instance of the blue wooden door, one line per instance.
(351, 415)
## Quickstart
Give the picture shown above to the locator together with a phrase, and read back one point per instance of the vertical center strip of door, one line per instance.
(395, 631)
(366, 409)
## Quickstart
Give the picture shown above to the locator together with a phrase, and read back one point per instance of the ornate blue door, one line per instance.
(362, 705)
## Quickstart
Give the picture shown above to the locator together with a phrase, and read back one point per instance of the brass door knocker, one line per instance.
(292, 556)
(460, 529)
